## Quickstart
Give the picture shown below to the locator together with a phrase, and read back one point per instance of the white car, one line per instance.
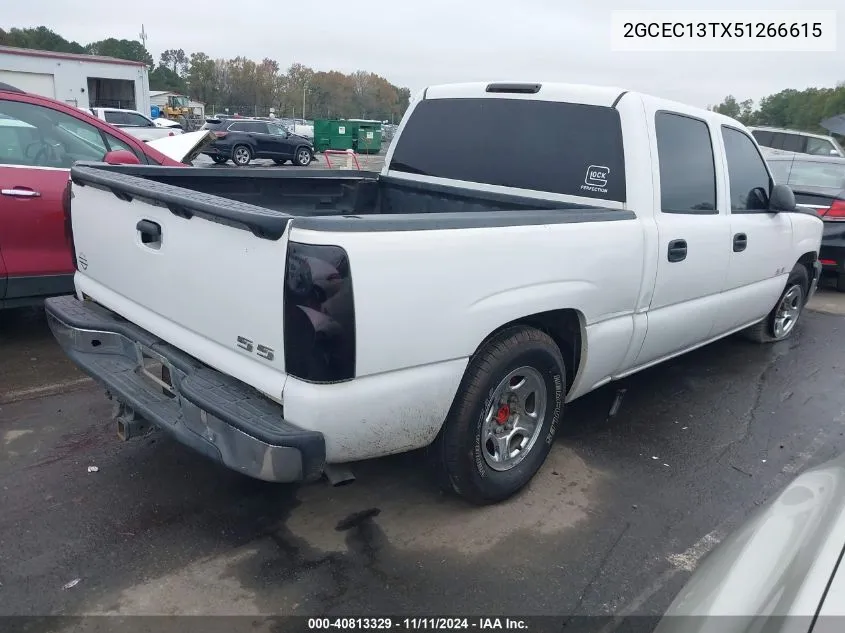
(792, 141)
(286, 324)
(135, 123)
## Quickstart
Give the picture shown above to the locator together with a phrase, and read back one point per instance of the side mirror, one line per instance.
(833, 152)
(121, 157)
(781, 199)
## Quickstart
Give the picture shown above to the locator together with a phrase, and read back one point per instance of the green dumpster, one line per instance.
(369, 139)
(333, 134)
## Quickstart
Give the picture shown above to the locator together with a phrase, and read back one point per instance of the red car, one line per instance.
(40, 139)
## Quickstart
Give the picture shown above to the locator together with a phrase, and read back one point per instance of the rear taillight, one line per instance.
(66, 198)
(220, 134)
(319, 314)
(836, 212)
(171, 134)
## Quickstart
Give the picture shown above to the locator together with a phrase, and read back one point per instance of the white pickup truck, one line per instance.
(286, 324)
(135, 123)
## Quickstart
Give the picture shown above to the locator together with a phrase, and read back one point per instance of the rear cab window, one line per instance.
(544, 146)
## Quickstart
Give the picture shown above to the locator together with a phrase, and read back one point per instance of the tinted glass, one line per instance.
(780, 170)
(811, 173)
(58, 140)
(687, 172)
(750, 182)
(238, 127)
(764, 138)
(136, 120)
(277, 130)
(115, 118)
(547, 146)
(791, 142)
(820, 147)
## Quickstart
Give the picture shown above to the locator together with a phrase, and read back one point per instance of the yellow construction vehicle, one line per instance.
(177, 109)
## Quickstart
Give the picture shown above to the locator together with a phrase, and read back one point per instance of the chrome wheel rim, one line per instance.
(788, 310)
(513, 420)
(241, 155)
(304, 158)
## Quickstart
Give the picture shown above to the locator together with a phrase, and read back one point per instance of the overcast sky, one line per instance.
(416, 43)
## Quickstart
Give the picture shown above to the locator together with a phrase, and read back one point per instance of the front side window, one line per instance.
(750, 183)
(256, 127)
(548, 146)
(277, 130)
(136, 120)
(820, 147)
(687, 171)
(52, 138)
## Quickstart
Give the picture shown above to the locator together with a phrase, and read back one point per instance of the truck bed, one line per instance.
(265, 200)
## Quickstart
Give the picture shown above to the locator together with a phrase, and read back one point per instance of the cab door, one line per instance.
(761, 242)
(693, 233)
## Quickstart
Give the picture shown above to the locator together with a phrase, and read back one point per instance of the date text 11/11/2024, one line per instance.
(417, 624)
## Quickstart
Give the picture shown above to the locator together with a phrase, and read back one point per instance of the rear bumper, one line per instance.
(204, 409)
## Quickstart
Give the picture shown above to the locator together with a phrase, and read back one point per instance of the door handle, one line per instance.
(19, 192)
(150, 231)
(677, 250)
(740, 242)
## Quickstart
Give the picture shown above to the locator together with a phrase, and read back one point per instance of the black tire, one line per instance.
(302, 157)
(280, 161)
(219, 160)
(241, 155)
(765, 331)
(459, 455)
(840, 283)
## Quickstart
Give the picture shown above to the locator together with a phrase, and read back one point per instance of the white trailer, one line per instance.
(86, 81)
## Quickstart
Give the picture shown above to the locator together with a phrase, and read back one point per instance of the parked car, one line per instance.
(135, 123)
(819, 186)
(40, 139)
(795, 141)
(242, 140)
(779, 572)
(456, 300)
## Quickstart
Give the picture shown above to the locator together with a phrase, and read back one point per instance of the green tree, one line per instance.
(122, 49)
(202, 78)
(176, 60)
(163, 78)
(40, 38)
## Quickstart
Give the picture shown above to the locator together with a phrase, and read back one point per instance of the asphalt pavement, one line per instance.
(613, 524)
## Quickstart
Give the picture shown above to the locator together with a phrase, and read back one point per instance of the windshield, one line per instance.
(809, 173)
(181, 101)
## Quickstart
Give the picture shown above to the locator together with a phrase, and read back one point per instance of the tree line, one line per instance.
(795, 109)
(240, 84)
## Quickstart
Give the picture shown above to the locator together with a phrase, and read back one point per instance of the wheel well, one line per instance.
(807, 260)
(563, 326)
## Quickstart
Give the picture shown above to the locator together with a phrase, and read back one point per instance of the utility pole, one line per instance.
(304, 88)
(143, 36)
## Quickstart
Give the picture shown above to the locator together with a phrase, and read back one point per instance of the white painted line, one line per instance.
(43, 390)
(688, 560)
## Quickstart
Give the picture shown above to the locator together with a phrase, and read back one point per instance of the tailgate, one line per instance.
(204, 273)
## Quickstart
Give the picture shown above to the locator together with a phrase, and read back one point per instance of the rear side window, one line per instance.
(687, 171)
(562, 148)
(790, 142)
(763, 137)
(750, 182)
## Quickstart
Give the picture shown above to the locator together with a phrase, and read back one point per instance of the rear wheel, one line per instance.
(241, 155)
(219, 160)
(303, 157)
(781, 321)
(503, 420)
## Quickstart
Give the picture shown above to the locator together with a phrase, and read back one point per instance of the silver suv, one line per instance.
(799, 142)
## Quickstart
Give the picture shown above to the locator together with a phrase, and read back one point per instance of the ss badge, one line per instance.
(260, 350)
